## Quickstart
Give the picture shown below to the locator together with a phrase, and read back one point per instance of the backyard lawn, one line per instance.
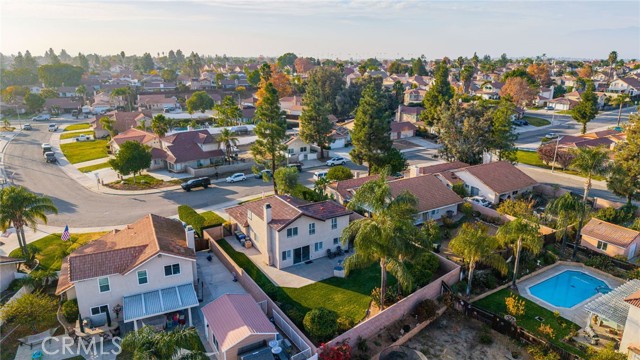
(73, 127)
(211, 219)
(76, 134)
(561, 326)
(349, 297)
(536, 121)
(78, 152)
(95, 167)
(51, 249)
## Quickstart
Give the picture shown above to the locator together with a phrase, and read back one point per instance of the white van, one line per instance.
(319, 175)
(53, 127)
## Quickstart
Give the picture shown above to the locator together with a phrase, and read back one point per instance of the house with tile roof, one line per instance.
(401, 130)
(494, 181)
(150, 139)
(610, 239)
(236, 326)
(157, 102)
(289, 231)
(628, 85)
(122, 121)
(193, 149)
(630, 343)
(148, 269)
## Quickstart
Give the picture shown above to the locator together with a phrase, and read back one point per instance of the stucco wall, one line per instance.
(612, 250)
(631, 333)
(7, 275)
(484, 190)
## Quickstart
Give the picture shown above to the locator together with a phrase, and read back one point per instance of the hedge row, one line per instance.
(191, 217)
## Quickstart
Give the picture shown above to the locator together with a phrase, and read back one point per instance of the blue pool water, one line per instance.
(568, 288)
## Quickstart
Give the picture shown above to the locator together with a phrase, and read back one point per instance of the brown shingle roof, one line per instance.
(500, 176)
(124, 120)
(430, 192)
(345, 187)
(285, 209)
(611, 233)
(434, 169)
(184, 146)
(119, 252)
(402, 126)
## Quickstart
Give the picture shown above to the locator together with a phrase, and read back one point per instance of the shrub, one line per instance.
(191, 217)
(491, 219)
(426, 310)
(633, 274)
(423, 268)
(448, 222)
(547, 331)
(538, 352)
(515, 305)
(339, 173)
(466, 209)
(600, 262)
(391, 295)
(362, 345)
(459, 189)
(342, 351)
(321, 323)
(485, 338)
(486, 279)
(619, 216)
(70, 310)
(345, 323)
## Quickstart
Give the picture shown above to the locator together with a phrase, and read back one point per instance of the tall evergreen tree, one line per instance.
(626, 180)
(465, 133)
(502, 135)
(587, 109)
(417, 66)
(440, 93)
(269, 148)
(315, 126)
(371, 133)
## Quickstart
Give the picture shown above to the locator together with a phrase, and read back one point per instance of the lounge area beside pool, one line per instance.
(567, 288)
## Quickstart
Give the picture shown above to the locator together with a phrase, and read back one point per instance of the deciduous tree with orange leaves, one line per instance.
(540, 72)
(518, 91)
(280, 81)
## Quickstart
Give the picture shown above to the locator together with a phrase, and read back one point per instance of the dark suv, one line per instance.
(203, 182)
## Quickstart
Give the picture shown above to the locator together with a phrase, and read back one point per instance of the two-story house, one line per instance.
(147, 269)
(629, 85)
(289, 231)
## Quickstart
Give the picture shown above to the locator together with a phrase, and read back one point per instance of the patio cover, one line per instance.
(612, 306)
(159, 301)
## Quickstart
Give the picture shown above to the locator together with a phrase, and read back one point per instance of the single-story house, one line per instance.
(123, 121)
(236, 326)
(409, 113)
(401, 130)
(62, 105)
(344, 190)
(66, 91)
(159, 86)
(435, 169)
(435, 200)
(610, 239)
(630, 344)
(156, 102)
(8, 269)
(340, 137)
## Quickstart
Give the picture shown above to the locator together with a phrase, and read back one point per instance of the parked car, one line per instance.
(551, 136)
(338, 160)
(296, 165)
(83, 137)
(53, 127)
(27, 127)
(520, 122)
(41, 117)
(202, 182)
(74, 113)
(236, 177)
(479, 200)
(320, 175)
(262, 173)
(550, 108)
(50, 157)
(46, 147)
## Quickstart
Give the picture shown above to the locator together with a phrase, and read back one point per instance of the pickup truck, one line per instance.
(42, 117)
(83, 137)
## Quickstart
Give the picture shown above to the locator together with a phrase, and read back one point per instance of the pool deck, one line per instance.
(577, 314)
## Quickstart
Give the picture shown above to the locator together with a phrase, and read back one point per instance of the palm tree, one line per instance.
(589, 162)
(227, 139)
(127, 92)
(388, 236)
(147, 344)
(620, 100)
(82, 92)
(567, 208)
(474, 245)
(518, 234)
(108, 124)
(19, 208)
(613, 57)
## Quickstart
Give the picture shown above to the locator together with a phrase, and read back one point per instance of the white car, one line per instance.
(41, 117)
(320, 175)
(27, 127)
(552, 136)
(53, 127)
(83, 137)
(236, 177)
(479, 200)
(338, 160)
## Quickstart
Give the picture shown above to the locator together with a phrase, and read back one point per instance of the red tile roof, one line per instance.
(611, 233)
(634, 299)
(185, 146)
(501, 176)
(124, 120)
(346, 188)
(430, 192)
(119, 252)
(134, 134)
(402, 126)
(286, 209)
(234, 317)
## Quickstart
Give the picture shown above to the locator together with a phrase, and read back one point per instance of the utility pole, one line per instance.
(555, 153)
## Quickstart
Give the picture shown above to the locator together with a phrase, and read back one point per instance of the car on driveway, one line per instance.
(83, 137)
(41, 117)
(27, 127)
(264, 173)
(550, 108)
(202, 182)
(479, 200)
(338, 160)
(236, 177)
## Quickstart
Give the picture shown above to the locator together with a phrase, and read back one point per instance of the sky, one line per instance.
(324, 29)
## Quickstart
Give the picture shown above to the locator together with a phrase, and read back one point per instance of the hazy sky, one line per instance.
(389, 29)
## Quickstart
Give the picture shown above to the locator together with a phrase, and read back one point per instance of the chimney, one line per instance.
(190, 237)
(414, 171)
(267, 213)
(268, 236)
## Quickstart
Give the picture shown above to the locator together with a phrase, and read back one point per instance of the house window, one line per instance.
(170, 270)
(303, 149)
(291, 151)
(291, 232)
(102, 309)
(142, 277)
(436, 211)
(334, 223)
(312, 228)
(336, 241)
(602, 245)
(318, 246)
(103, 283)
(286, 255)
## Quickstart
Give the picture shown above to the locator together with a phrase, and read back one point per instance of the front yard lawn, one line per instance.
(536, 121)
(142, 182)
(76, 134)
(95, 167)
(51, 249)
(73, 127)
(532, 158)
(349, 297)
(78, 152)
(561, 326)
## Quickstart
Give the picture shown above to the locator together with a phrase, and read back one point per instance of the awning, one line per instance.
(612, 306)
(159, 301)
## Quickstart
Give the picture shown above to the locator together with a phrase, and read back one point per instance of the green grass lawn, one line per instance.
(211, 219)
(532, 158)
(536, 121)
(78, 152)
(51, 249)
(94, 167)
(561, 326)
(76, 134)
(349, 297)
(564, 112)
(73, 127)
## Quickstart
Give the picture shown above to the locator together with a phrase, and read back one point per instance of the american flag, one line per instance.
(65, 234)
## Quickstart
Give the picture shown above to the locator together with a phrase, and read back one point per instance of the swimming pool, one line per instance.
(568, 288)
